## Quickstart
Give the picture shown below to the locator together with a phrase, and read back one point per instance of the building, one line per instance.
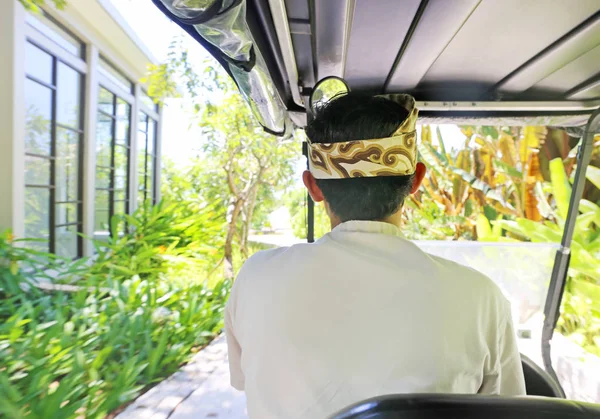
(80, 138)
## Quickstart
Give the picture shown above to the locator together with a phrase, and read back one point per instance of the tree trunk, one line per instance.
(231, 228)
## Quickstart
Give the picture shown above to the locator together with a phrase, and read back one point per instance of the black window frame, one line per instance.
(143, 172)
(113, 147)
(52, 158)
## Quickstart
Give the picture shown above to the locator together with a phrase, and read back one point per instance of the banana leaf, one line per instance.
(588, 291)
(483, 228)
(444, 153)
(543, 205)
(508, 169)
(531, 230)
(593, 175)
(560, 186)
(433, 157)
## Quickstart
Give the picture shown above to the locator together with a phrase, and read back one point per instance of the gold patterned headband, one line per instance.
(392, 156)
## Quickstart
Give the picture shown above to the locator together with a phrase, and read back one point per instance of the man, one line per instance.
(364, 312)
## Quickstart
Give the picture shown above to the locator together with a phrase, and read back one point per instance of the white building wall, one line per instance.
(12, 118)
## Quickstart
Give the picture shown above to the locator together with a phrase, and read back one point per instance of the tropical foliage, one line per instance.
(238, 163)
(512, 184)
(296, 203)
(85, 343)
(34, 5)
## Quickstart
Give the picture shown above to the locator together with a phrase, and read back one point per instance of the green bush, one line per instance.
(128, 318)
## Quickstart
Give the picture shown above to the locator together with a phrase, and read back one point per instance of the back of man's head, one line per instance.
(357, 117)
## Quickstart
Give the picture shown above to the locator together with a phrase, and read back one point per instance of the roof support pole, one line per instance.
(310, 204)
(563, 255)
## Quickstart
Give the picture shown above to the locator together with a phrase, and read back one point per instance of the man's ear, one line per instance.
(311, 184)
(420, 172)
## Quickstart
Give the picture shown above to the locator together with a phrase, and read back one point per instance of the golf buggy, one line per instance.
(466, 62)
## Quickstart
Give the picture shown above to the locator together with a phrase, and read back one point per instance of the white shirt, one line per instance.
(364, 312)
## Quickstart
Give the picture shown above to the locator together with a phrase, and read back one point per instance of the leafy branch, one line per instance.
(35, 5)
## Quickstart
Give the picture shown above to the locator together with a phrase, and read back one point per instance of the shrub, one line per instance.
(133, 316)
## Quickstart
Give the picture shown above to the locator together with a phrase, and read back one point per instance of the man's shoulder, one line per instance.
(263, 256)
(467, 277)
(272, 259)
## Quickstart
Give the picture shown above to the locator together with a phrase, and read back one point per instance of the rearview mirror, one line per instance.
(325, 91)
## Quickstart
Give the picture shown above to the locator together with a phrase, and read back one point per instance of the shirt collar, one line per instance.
(375, 227)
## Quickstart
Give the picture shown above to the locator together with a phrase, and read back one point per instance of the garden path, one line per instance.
(199, 390)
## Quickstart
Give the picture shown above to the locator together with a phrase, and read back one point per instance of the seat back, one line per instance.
(538, 382)
(446, 406)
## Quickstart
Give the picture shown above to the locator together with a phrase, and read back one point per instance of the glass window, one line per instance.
(56, 33)
(102, 213)
(37, 170)
(38, 117)
(37, 221)
(103, 177)
(68, 96)
(67, 165)
(112, 161)
(106, 101)
(121, 156)
(66, 214)
(38, 64)
(52, 156)
(151, 136)
(147, 100)
(146, 159)
(67, 239)
(104, 130)
(123, 118)
(114, 75)
(143, 122)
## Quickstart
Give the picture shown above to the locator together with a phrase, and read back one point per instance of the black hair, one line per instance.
(359, 117)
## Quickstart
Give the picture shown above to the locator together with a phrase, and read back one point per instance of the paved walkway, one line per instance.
(199, 390)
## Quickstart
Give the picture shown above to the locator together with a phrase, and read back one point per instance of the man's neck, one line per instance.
(394, 219)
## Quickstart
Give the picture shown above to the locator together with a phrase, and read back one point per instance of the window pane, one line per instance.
(106, 101)
(143, 122)
(38, 63)
(141, 181)
(66, 241)
(142, 161)
(68, 96)
(151, 136)
(101, 221)
(123, 109)
(123, 117)
(37, 171)
(121, 166)
(147, 100)
(141, 142)
(37, 219)
(104, 140)
(149, 187)
(120, 195)
(38, 114)
(56, 33)
(141, 198)
(115, 76)
(121, 183)
(67, 213)
(67, 165)
(103, 176)
(120, 207)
